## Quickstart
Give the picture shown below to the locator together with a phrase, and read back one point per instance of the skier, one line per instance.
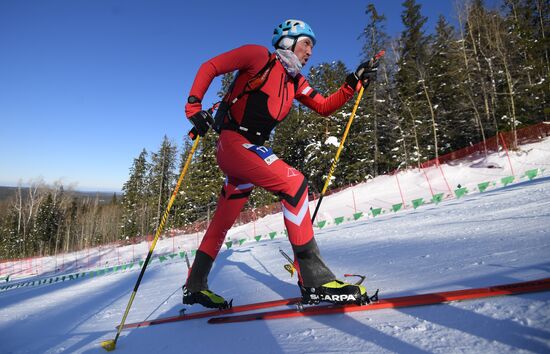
(260, 97)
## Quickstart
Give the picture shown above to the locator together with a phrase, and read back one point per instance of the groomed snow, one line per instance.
(482, 239)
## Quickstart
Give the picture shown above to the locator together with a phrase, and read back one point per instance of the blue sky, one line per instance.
(85, 85)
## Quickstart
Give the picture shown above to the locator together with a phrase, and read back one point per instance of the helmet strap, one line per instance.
(294, 44)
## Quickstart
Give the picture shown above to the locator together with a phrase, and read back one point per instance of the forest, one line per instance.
(438, 90)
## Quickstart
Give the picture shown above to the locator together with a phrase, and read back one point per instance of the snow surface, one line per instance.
(482, 239)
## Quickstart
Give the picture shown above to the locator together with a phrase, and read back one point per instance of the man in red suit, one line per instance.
(260, 97)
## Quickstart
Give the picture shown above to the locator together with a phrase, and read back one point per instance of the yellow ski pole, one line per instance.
(337, 157)
(110, 344)
(374, 60)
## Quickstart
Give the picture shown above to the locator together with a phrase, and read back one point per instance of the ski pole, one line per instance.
(337, 157)
(290, 266)
(110, 344)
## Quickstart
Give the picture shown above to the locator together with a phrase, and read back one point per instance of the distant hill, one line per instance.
(104, 197)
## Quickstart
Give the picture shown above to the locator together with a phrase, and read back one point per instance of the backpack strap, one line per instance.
(256, 82)
(253, 84)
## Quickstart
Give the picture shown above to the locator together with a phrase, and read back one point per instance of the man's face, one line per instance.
(303, 50)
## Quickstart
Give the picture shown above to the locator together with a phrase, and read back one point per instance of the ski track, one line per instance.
(497, 237)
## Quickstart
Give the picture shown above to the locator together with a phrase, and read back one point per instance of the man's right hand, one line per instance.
(202, 121)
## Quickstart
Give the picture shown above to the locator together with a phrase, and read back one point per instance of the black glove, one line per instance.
(366, 73)
(202, 121)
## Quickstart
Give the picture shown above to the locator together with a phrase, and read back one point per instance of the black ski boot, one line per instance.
(336, 292)
(195, 290)
(317, 283)
(206, 298)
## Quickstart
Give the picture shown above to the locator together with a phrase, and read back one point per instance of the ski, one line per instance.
(212, 313)
(395, 302)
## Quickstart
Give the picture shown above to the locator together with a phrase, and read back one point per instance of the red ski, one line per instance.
(404, 301)
(212, 313)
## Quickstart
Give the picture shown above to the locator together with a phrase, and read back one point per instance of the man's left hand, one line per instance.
(364, 74)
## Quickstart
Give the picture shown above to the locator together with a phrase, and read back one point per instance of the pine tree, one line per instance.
(60, 201)
(48, 220)
(413, 48)
(527, 23)
(504, 68)
(203, 184)
(323, 134)
(134, 199)
(71, 225)
(482, 72)
(182, 210)
(161, 179)
(412, 62)
(445, 81)
(371, 131)
(11, 240)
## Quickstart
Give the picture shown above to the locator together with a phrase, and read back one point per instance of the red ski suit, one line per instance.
(253, 117)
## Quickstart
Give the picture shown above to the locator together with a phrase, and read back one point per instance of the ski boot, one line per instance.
(195, 290)
(206, 298)
(336, 292)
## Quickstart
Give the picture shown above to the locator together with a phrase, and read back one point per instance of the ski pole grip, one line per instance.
(193, 133)
(380, 54)
(376, 58)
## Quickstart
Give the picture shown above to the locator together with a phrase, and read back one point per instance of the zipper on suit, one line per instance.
(282, 97)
